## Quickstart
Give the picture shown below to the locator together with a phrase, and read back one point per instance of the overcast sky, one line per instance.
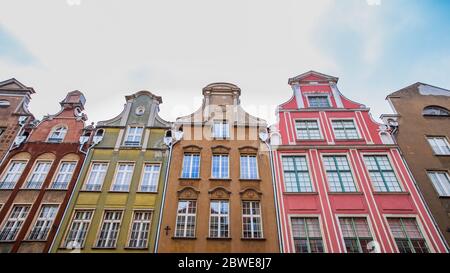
(110, 48)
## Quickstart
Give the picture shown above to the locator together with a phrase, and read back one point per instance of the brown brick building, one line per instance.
(421, 124)
(38, 175)
(219, 194)
(14, 114)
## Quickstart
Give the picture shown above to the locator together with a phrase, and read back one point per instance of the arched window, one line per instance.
(57, 134)
(436, 111)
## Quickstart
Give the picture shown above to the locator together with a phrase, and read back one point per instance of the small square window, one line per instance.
(318, 101)
(221, 129)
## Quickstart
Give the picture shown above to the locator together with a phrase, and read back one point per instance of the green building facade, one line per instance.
(116, 203)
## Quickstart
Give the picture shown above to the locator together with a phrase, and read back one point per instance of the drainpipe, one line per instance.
(72, 194)
(275, 191)
(163, 201)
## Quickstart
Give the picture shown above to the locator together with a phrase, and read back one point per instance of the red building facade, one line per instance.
(342, 184)
(38, 175)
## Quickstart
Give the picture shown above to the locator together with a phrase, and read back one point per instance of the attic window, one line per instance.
(436, 111)
(57, 134)
(318, 101)
(4, 103)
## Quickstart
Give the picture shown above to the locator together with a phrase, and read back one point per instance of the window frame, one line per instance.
(394, 171)
(351, 171)
(419, 226)
(57, 172)
(6, 170)
(319, 127)
(313, 189)
(128, 143)
(219, 215)
(185, 223)
(57, 140)
(224, 124)
(191, 165)
(25, 185)
(252, 216)
(444, 138)
(141, 179)
(221, 155)
(100, 228)
(36, 219)
(353, 216)
(86, 179)
(355, 124)
(318, 94)
(64, 242)
(116, 172)
(6, 219)
(306, 216)
(255, 155)
(446, 190)
(130, 230)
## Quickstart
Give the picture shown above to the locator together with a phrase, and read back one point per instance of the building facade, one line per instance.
(38, 176)
(219, 194)
(342, 184)
(116, 202)
(14, 113)
(421, 127)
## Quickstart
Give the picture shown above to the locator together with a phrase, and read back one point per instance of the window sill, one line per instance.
(311, 140)
(112, 191)
(190, 179)
(345, 193)
(103, 248)
(221, 138)
(253, 239)
(50, 189)
(96, 191)
(34, 241)
(300, 193)
(136, 248)
(249, 179)
(444, 197)
(391, 193)
(219, 238)
(184, 238)
(220, 179)
(350, 140)
(442, 155)
(147, 192)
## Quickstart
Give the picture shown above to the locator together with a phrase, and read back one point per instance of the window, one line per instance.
(249, 167)
(318, 101)
(436, 111)
(57, 134)
(78, 229)
(134, 136)
(191, 166)
(96, 177)
(221, 129)
(219, 219)
(356, 233)
(339, 175)
(296, 174)
(150, 178)
(381, 173)
(440, 145)
(44, 222)
(308, 130)
(123, 177)
(4, 104)
(251, 220)
(441, 182)
(2, 130)
(140, 229)
(38, 175)
(345, 129)
(220, 165)
(407, 235)
(13, 174)
(306, 235)
(186, 217)
(109, 229)
(64, 175)
(14, 223)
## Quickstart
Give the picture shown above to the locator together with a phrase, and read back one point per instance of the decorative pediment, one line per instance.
(15, 85)
(248, 150)
(219, 193)
(250, 194)
(192, 149)
(188, 193)
(220, 149)
(313, 76)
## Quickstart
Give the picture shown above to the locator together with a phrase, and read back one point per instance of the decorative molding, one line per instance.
(189, 193)
(192, 149)
(220, 149)
(250, 194)
(248, 150)
(219, 193)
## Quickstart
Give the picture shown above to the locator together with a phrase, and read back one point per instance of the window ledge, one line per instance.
(311, 140)
(103, 248)
(136, 248)
(147, 192)
(391, 193)
(220, 179)
(112, 191)
(184, 238)
(96, 191)
(301, 193)
(444, 197)
(50, 189)
(350, 140)
(191, 179)
(249, 179)
(346, 193)
(253, 239)
(219, 238)
(442, 155)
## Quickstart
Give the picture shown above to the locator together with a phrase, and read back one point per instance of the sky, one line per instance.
(109, 48)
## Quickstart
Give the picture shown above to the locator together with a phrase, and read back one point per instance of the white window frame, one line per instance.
(223, 129)
(185, 221)
(30, 183)
(152, 174)
(141, 231)
(120, 186)
(191, 155)
(219, 216)
(419, 225)
(221, 156)
(248, 166)
(59, 185)
(318, 94)
(307, 216)
(358, 137)
(252, 218)
(438, 150)
(290, 155)
(16, 175)
(364, 216)
(62, 134)
(17, 222)
(351, 171)
(82, 224)
(110, 241)
(441, 187)
(134, 136)
(43, 223)
(297, 135)
(99, 180)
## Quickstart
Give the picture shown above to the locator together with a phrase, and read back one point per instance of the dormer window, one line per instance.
(221, 129)
(134, 136)
(319, 101)
(436, 111)
(57, 134)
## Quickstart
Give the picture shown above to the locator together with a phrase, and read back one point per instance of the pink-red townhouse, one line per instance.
(341, 182)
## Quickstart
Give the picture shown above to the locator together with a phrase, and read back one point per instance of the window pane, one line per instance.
(296, 174)
(381, 173)
(307, 235)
